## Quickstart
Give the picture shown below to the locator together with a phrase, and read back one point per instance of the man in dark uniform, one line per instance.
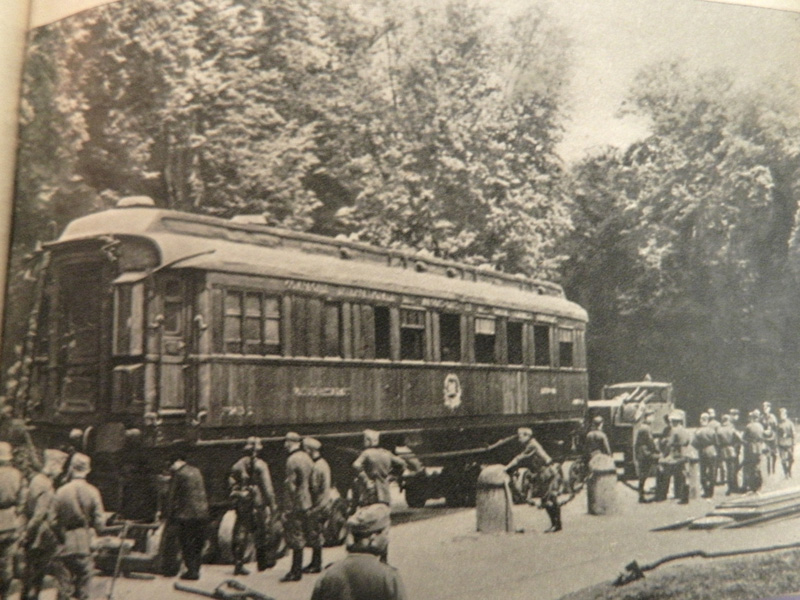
(297, 502)
(786, 442)
(361, 575)
(729, 442)
(254, 500)
(752, 440)
(77, 508)
(546, 475)
(596, 441)
(39, 541)
(319, 512)
(705, 442)
(12, 499)
(187, 513)
(374, 466)
(645, 451)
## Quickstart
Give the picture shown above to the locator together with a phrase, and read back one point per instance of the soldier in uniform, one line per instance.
(770, 438)
(77, 509)
(786, 442)
(39, 541)
(319, 512)
(12, 498)
(187, 513)
(705, 442)
(752, 440)
(374, 467)
(254, 500)
(361, 575)
(596, 441)
(729, 442)
(677, 460)
(547, 478)
(645, 451)
(767, 417)
(297, 502)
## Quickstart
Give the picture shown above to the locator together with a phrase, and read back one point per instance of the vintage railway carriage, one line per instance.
(154, 327)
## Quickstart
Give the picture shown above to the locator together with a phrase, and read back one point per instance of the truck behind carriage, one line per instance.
(154, 327)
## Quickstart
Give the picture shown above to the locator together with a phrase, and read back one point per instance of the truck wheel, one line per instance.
(224, 543)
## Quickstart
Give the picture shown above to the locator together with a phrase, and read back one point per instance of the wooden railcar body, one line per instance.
(154, 327)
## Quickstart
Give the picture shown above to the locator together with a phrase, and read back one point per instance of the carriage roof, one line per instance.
(189, 241)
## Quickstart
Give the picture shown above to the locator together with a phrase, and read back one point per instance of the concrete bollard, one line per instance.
(693, 478)
(601, 488)
(493, 501)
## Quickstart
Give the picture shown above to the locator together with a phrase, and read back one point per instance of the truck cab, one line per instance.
(623, 406)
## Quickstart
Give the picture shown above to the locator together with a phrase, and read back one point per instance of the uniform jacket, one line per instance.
(297, 490)
(752, 438)
(251, 476)
(39, 529)
(706, 441)
(186, 498)
(679, 441)
(533, 456)
(78, 508)
(377, 464)
(359, 577)
(596, 441)
(12, 498)
(769, 419)
(645, 448)
(786, 433)
(320, 486)
(729, 440)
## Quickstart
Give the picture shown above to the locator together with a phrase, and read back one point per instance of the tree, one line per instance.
(460, 157)
(704, 214)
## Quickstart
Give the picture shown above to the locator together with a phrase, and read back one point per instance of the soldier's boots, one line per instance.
(296, 572)
(554, 512)
(315, 566)
(240, 570)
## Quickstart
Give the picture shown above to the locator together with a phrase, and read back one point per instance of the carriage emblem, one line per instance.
(452, 391)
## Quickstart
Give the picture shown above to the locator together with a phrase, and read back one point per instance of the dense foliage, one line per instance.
(419, 125)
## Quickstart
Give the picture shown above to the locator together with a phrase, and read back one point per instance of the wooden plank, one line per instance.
(314, 326)
(435, 337)
(347, 330)
(394, 333)
(287, 341)
(368, 330)
(358, 333)
(501, 341)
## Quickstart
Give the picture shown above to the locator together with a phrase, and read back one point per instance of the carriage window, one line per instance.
(173, 307)
(566, 348)
(450, 337)
(485, 331)
(514, 340)
(382, 332)
(541, 345)
(412, 334)
(233, 322)
(128, 319)
(252, 323)
(332, 330)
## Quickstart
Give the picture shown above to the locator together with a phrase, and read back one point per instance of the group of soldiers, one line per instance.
(45, 524)
(725, 452)
(307, 503)
(47, 518)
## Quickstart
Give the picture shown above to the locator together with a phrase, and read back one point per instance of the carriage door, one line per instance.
(80, 350)
(173, 349)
